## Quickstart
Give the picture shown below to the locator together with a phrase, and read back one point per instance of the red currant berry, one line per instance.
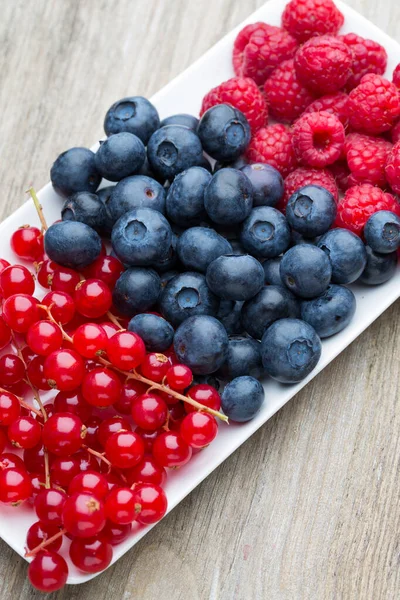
(41, 532)
(34, 459)
(90, 555)
(148, 438)
(124, 449)
(150, 503)
(86, 461)
(176, 415)
(3, 264)
(110, 426)
(131, 390)
(15, 486)
(12, 369)
(65, 280)
(126, 350)
(109, 328)
(101, 387)
(120, 506)
(92, 298)
(44, 337)
(198, 429)
(72, 402)
(35, 370)
(155, 366)
(62, 306)
(20, 312)
(83, 515)
(149, 411)
(91, 482)
(10, 408)
(179, 377)
(3, 440)
(90, 340)
(205, 395)
(64, 370)
(16, 279)
(5, 334)
(147, 471)
(106, 268)
(92, 426)
(63, 469)
(8, 460)
(27, 243)
(115, 533)
(24, 432)
(171, 450)
(48, 571)
(63, 434)
(38, 484)
(45, 273)
(27, 355)
(49, 506)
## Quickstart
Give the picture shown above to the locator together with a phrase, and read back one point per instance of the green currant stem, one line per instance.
(38, 207)
(45, 543)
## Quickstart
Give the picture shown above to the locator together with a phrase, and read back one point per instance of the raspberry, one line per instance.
(359, 203)
(303, 176)
(243, 94)
(259, 48)
(287, 98)
(318, 139)
(366, 157)
(273, 145)
(341, 173)
(396, 76)
(395, 133)
(393, 168)
(374, 105)
(336, 104)
(323, 64)
(307, 18)
(368, 57)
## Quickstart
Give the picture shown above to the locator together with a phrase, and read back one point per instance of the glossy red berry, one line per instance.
(62, 306)
(149, 411)
(49, 504)
(92, 426)
(34, 459)
(10, 408)
(64, 369)
(35, 370)
(130, 390)
(120, 506)
(5, 334)
(20, 312)
(106, 268)
(45, 273)
(12, 369)
(90, 555)
(176, 415)
(148, 438)
(73, 402)
(92, 298)
(179, 377)
(83, 515)
(124, 449)
(63, 469)
(16, 279)
(110, 426)
(150, 503)
(15, 486)
(48, 571)
(101, 387)
(3, 440)
(65, 280)
(155, 366)
(198, 429)
(205, 395)
(109, 328)
(126, 350)
(115, 533)
(40, 532)
(3, 264)
(24, 432)
(63, 434)
(90, 340)
(147, 471)
(44, 337)
(27, 243)
(171, 450)
(91, 482)
(8, 460)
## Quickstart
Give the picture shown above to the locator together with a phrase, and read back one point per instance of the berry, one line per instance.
(45, 273)
(273, 302)
(181, 119)
(150, 503)
(367, 57)
(90, 482)
(341, 173)
(224, 132)
(110, 426)
(90, 340)
(90, 555)
(265, 233)
(244, 358)
(155, 366)
(149, 412)
(228, 198)
(359, 203)
(138, 191)
(331, 312)
(120, 506)
(198, 429)
(148, 437)
(267, 184)
(379, 268)
(87, 208)
(48, 571)
(374, 105)
(105, 268)
(318, 139)
(12, 369)
(115, 533)
(101, 387)
(307, 18)
(12, 461)
(20, 312)
(124, 449)
(16, 279)
(273, 145)
(40, 532)
(64, 370)
(243, 94)
(92, 298)
(173, 149)
(306, 270)
(109, 328)
(366, 158)
(126, 350)
(83, 515)
(147, 471)
(271, 270)
(35, 371)
(171, 450)
(205, 395)
(134, 114)
(63, 434)
(137, 290)
(346, 253)
(179, 377)
(395, 132)
(92, 426)
(120, 155)
(311, 211)
(15, 486)
(323, 64)
(5, 334)
(3, 264)
(44, 337)
(242, 398)
(130, 390)
(287, 97)
(302, 177)
(197, 247)
(75, 171)
(392, 169)
(382, 232)
(185, 197)
(156, 333)
(72, 244)
(27, 243)
(337, 104)
(201, 342)
(290, 350)
(24, 432)
(235, 277)
(65, 280)
(3, 440)
(62, 470)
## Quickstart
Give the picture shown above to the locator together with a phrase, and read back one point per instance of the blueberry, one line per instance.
(135, 115)
(238, 163)
(244, 358)
(346, 253)
(265, 232)
(230, 315)
(237, 247)
(119, 156)
(173, 149)
(136, 290)
(183, 119)
(297, 238)
(306, 270)
(72, 244)
(267, 184)
(242, 399)
(167, 276)
(141, 237)
(207, 380)
(186, 295)
(224, 132)
(170, 260)
(290, 350)
(379, 267)
(198, 246)
(137, 191)
(75, 171)
(228, 198)
(185, 198)
(201, 343)
(235, 277)
(382, 232)
(331, 312)
(272, 271)
(105, 196)
(87, 208)
(155, 331)
(205, 164)
(311, 210)
(271, 303)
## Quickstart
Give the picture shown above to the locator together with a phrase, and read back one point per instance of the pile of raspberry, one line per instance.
(319, 106)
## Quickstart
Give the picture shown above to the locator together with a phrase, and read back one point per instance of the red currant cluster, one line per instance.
(93, 459)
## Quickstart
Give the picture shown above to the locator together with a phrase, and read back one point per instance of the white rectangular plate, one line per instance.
(184, 94)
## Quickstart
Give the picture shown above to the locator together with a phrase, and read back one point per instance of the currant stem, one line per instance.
(47, 309)
(114, 320)
(45, 543)
(38, 207)
(46, 470)
(98, 455)
(35, 391)
(23, 403)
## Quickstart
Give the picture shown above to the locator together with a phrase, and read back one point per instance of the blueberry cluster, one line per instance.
(241, 290)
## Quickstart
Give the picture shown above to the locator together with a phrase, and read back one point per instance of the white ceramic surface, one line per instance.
(184, 94)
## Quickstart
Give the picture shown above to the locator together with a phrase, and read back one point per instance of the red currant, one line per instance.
(147, 471)
(45, 273)
(92, 426)
(65, 280)
(90, 555)
(91, 482)
(176, 415)
(126, 350)
(101, 387)
(92, 298)
(8, 460)
(49, 506)
(38, 484)
(205, 395)
(120, 506)
(44, 337)
(109, 328)
(131, 390)
(86, 461)
(110, 426)
(3, 440)
(198, 429)
(48, 571)
(155, 366)
(72, 402)
(20, 312)
(150, 503)
(12, 369)
(83, 515)
(40, 532)
(34, 459)
(35, 370)
(63, 469)
(90, 340)
(62, 306)
(64, 370)
(171, 450)
(106, 268)
(16, 279)
(115, 533)
(10, 408)
(179, 377)
(15, 486)
(27, 243)
(24, 432)
(5, 334)
(149, 411)
(3, 264)
(124, 449)
(63, 434)
(148, 438)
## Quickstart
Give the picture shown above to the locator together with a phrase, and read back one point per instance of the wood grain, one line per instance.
(308, 508)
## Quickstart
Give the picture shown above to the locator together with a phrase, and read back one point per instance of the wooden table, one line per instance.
(309, 507)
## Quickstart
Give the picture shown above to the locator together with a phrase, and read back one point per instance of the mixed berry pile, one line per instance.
(192, 257)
